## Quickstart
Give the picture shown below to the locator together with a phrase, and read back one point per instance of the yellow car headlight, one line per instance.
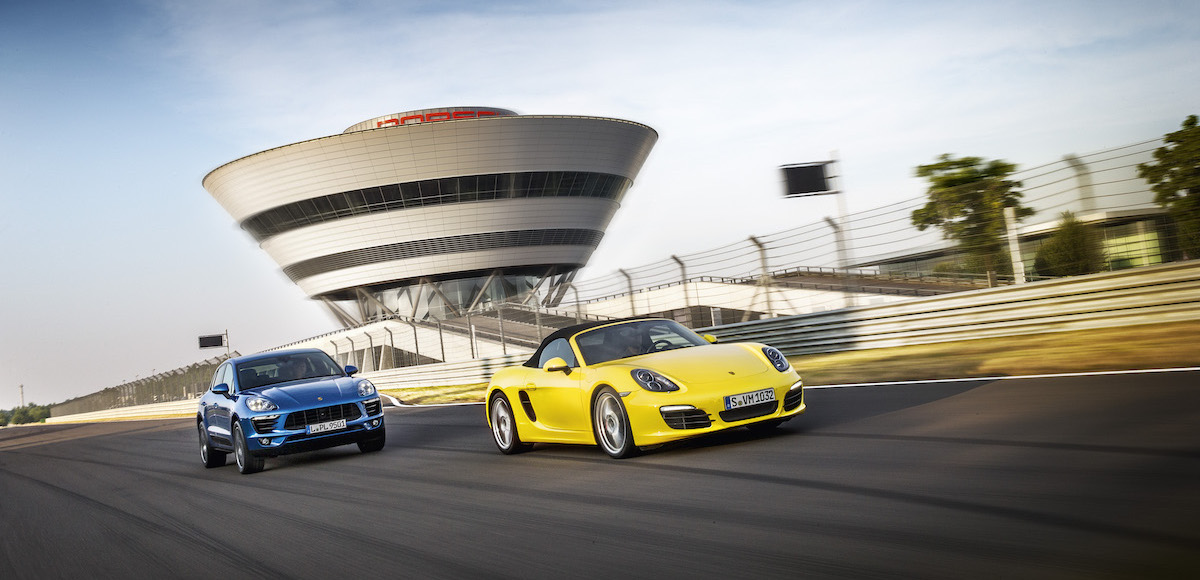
(652, 381)
(777, 359)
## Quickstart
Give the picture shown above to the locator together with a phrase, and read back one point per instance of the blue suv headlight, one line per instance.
(365, 388)
(258, 404)
(777, 359)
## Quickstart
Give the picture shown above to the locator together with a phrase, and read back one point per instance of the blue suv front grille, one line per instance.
(301, 419)
(374, 407)
(264, 424)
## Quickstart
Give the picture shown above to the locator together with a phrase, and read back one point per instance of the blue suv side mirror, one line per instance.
(221, 389)
(350, 370)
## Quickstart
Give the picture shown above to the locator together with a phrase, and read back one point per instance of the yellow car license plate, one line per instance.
(326, 427)
(751, 398)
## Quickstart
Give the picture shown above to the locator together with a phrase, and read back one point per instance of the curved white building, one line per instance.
(431, 213)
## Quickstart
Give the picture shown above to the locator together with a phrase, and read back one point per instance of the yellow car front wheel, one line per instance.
(611, 424)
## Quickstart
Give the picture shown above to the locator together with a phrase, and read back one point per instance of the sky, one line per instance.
(111, 112)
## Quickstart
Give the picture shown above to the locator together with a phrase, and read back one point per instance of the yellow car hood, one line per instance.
(704, 364)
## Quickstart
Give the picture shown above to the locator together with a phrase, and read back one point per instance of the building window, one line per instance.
(429, 192)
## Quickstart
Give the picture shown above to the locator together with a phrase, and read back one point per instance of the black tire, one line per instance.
(610, 423)
(209, 456)
(246, 462)
(504, 426)
(764, 427)
(374, 444)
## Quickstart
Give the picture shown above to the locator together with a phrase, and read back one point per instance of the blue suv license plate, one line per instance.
(327, 427)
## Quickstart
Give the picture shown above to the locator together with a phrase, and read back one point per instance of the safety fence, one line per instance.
(1149, 295)
(1131, 297)
(167, 410)
(1128, 227)
(181, 384)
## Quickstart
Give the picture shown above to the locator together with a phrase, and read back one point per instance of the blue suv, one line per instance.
(276, 403)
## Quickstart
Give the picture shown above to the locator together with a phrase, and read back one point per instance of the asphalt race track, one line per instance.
(1082, 477)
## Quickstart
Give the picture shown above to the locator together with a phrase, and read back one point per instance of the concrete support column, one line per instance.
(1014, 245)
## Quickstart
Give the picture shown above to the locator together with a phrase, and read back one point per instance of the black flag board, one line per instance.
(806, 179)
(212, 341)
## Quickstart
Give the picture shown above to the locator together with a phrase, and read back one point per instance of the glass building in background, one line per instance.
(435, 213)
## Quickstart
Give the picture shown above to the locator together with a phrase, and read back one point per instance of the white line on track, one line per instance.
(406, 405)
(1004, 378)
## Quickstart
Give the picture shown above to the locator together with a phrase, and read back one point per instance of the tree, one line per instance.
(967, 198)
(1073, 250)
(30, 413)
(1176, 182)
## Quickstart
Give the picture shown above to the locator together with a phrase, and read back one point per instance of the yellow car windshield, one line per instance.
(634, 338)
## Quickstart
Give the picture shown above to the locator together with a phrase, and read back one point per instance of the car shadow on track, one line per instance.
(837, 406)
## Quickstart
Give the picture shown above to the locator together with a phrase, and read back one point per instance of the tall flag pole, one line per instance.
(816, 178)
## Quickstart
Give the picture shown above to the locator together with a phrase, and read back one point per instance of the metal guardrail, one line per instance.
(1143, 296)
(444, 374)
(170, 409)
(1149, 295)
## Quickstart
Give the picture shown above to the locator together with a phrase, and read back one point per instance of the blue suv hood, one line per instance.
(312, 393)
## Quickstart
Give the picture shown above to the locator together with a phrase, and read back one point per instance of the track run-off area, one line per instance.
(1052, 477)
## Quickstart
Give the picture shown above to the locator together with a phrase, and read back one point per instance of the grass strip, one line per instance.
(1111, 349)
(439, 395)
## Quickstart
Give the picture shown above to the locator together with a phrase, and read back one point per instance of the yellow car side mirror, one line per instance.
(556, 364)
(710, 338)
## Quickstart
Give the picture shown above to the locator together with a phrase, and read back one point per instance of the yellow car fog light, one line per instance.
(675, 408)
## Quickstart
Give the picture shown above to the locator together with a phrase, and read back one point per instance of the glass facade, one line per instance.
(399, 196)
(452, 298)
(444, 245)
(1133, 245)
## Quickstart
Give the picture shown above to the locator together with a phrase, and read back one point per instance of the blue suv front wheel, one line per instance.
(247, 463)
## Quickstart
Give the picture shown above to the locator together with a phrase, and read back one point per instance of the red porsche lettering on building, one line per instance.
(433, 117)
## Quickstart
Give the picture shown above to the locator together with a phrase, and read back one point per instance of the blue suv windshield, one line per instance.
(284, 368)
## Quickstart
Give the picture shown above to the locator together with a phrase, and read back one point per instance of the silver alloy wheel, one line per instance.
(247, 463)
(239, 448)
(502, 423)
(610, 423)
(203, 443)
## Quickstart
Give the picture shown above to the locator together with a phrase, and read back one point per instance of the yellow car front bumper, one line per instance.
(663, 417)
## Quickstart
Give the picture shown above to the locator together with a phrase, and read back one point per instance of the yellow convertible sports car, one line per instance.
(639, 382)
